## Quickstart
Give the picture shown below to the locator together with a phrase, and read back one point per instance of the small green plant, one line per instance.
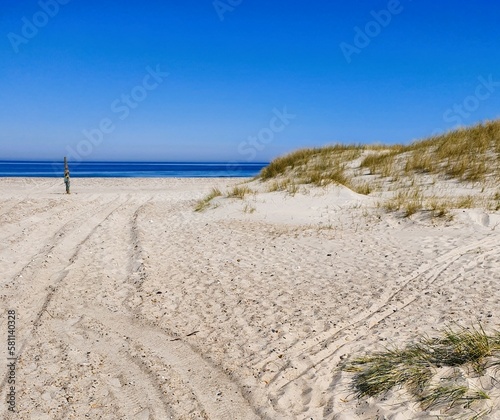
(205, 202)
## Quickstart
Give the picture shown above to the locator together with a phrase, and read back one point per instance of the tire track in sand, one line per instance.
(35, 264)
(34, 221)
(30, 304)
(309, 354)
(202, 378)
(205, 380)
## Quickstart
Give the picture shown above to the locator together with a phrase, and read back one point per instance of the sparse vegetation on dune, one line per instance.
(320, 166)
(468, 156)
(239, 192)
(466, 353)
(457, 170)
(205, 202)
(317, 158)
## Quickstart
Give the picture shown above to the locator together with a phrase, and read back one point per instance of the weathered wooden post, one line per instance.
(66, 175)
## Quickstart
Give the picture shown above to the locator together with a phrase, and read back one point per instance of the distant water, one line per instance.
(129, 169)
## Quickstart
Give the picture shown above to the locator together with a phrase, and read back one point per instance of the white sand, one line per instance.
(132, 306)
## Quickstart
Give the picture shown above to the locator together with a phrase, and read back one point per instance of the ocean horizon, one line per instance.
(113, 169)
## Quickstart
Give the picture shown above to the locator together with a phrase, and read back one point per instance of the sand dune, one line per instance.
(132, 306)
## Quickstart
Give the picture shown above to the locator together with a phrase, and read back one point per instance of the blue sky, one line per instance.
(247, 80)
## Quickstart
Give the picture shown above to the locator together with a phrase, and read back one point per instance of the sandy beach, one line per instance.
(130, 305)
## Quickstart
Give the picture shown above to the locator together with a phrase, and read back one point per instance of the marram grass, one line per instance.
(205, 202)
(414, 367)
(469, 156)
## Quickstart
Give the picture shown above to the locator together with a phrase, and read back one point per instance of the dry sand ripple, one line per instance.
(132, 306)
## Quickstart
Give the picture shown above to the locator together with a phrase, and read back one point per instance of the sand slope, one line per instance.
(132, 306)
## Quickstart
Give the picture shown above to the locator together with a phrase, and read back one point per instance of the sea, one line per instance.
(130, 169)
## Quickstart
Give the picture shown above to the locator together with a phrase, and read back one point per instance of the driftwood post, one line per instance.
(66, 175)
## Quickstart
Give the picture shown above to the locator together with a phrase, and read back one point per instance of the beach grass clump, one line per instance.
(239, 192)
(495, 201)
(414, 366)
(413, 200)
(308, 164)
(457, 348)
(364, 188)
(281, 165)
(468, 155)
(408, 201)
(285, 184)
(438, 207)
(451, 396)
(464, 202)
(249, 209)
(380, 372)
(204, 203)
(320, 177)
(420, 161)
(382, 163)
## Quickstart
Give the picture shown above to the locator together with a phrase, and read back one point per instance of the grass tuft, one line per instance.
(409, 201)
(239, 192)
(413, 367)
(203, 204)
(451, 396)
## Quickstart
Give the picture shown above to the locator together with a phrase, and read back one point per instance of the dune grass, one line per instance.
(283, 185)
(409, 201)
(468, 155)
(402, 175)
(313, 160)
(317, 166)
(451, 396)
(495, 199)
(414, 367)
(239, 192)
(203, 204)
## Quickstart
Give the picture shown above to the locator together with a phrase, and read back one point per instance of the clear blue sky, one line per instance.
(344, 76)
